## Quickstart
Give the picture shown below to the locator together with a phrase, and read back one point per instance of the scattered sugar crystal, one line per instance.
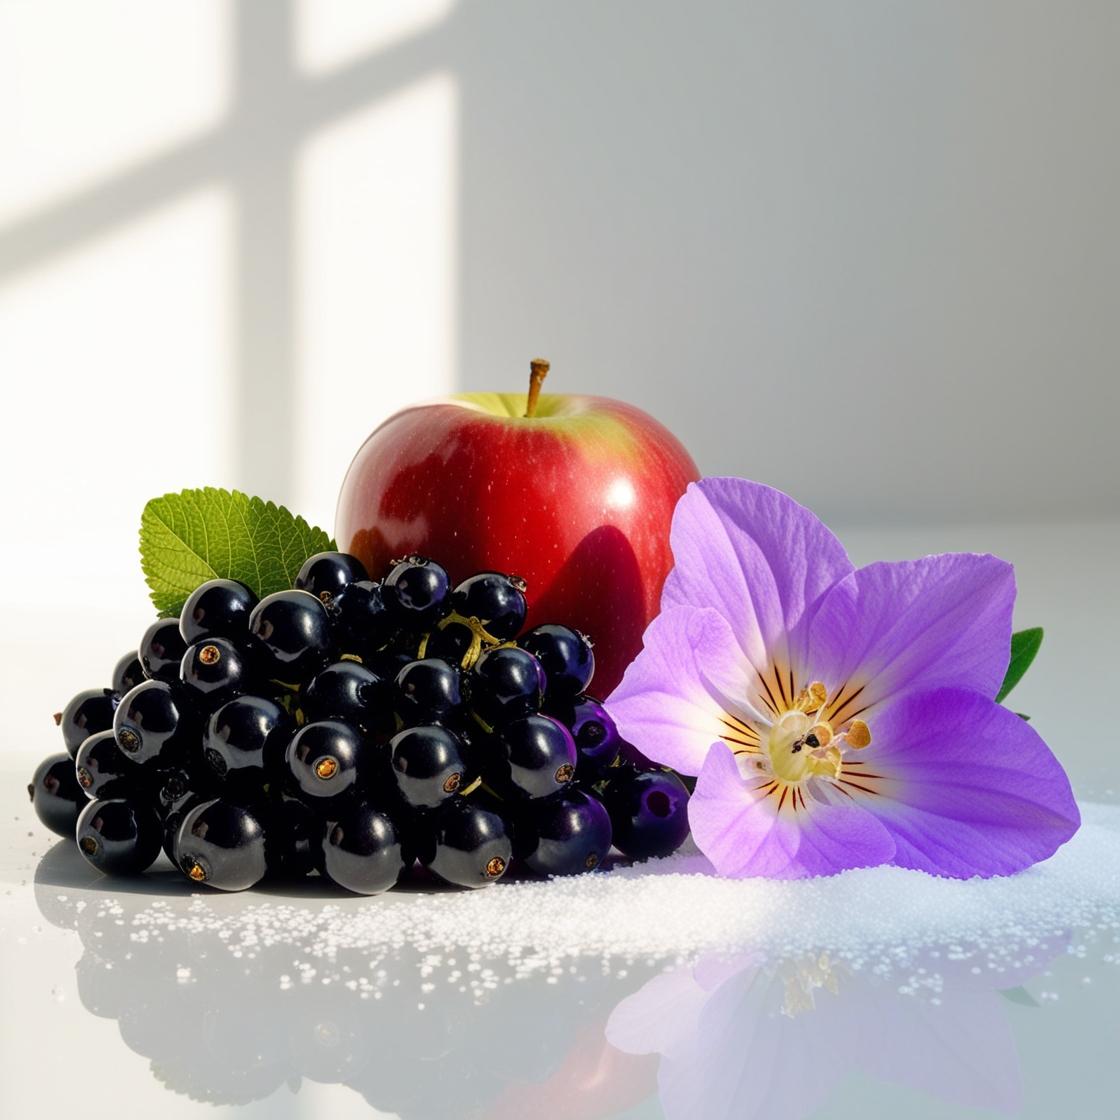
(886, 922)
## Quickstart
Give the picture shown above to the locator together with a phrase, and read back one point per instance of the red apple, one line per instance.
(573, 493)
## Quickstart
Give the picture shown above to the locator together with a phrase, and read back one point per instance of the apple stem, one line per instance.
(538, 371)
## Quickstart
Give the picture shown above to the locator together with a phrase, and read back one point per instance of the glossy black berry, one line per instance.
(506, 684)
(428, 765)
(86, 714)
(362, 621)
(417, 592)
(325, 761)
(362, 851)
(293, 635)
(293, 835)
(246, 738)
(428, 691)
(215, 670)
(649, 812)
(539, 757)
(496, 600)
(219, 608)
(565, 835)
(595, 733)
(102, 770)
(566, 655)
(118, 837)
(161, 650)
(55, 794)
(127, 674)
(155, 723)
(349, 692)
(466, 845)
(327, 574)
(451, 641)
(222, 845)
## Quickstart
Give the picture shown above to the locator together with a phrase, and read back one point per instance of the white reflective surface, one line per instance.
(127, 998)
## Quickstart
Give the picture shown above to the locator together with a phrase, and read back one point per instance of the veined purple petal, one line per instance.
(757, 557)
(746, 833)
(969, 787)
(664, 705)
(943, 621)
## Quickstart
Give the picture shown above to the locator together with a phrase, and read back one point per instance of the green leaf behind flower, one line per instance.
(1024, 648)
(196, 535)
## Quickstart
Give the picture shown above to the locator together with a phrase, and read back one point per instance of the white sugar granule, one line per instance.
(884, 921)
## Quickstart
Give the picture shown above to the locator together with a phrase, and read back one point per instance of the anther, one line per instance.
(858, 735)
(811, 699)
(822, 733)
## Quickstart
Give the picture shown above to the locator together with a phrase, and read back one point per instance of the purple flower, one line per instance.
(837, 717)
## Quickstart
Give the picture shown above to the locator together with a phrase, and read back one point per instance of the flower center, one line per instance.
(791, 758)
(805, 740)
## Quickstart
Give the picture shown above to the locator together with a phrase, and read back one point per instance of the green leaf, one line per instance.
(1024, 648)
(196, 535)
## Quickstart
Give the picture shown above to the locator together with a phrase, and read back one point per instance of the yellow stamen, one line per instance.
(828, 765)
(858, 735)
(811, 699)
(822, 732)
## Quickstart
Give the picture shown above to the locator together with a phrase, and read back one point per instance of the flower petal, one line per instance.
(943, 621)
(666, 705)
(970, 787)
(757, 557)
(744, 832)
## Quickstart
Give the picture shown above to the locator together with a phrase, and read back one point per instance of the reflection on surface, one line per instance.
(739, 1038)
(228, 1005)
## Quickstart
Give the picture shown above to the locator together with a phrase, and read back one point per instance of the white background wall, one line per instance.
(865, 251)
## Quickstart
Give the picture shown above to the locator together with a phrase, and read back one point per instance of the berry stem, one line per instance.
(538, 371)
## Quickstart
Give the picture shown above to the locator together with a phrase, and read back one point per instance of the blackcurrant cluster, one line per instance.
(356, 728)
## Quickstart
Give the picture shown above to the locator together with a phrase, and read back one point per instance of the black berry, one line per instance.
(55, 794)
(497, 601)
(155, 722)
(362, 851)
(222, 845)
(161, 650)
(215, 670)
(220, 608)
(417, 592)
(539, 757)
(327, 574)
(565, 835)
(428, 691)
(649, 812)
(467, 845)
(293, 634)
(428, 765)
(118, 837)
(565, 654)
(86, 714)
(102, 770)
